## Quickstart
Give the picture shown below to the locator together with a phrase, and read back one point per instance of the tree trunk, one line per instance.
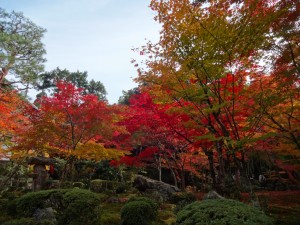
(172, 171)
(211, 168)
(159, 168)
(221, 182)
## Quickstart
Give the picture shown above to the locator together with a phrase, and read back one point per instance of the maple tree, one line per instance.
(11, 106)
(12, 119)
(71, 125)
(158, 138)
(207, 56)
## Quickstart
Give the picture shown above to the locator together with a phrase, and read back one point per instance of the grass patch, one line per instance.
(166, 215)
(110, 213)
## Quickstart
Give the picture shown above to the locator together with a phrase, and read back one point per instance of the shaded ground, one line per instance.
(283, 206)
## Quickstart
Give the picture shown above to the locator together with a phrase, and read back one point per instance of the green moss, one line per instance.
(110, 213)
(166, 215)
(28, 221)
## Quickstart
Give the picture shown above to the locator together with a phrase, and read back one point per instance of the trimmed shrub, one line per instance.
(73, 207)
(138, 212)
(80, 207)
(27, 204)
(78, 184)
(221, 212)
(149, 201)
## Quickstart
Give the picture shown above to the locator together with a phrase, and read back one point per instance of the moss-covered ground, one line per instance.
(283, 206)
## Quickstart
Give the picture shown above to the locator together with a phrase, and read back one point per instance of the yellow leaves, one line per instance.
(97, 152)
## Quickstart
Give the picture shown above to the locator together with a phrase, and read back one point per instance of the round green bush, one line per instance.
(72, 206)
(149, 201)
(138, 212)
(28, 203)
(221, 212)
(80, 207)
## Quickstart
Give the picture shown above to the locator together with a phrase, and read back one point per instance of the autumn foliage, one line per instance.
(220, 85)
(67, 122)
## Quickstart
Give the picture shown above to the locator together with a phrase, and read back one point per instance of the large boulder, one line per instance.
(145, 184)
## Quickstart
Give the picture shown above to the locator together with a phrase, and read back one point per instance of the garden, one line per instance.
(210, 135)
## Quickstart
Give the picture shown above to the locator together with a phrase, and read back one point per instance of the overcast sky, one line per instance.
(92, 35)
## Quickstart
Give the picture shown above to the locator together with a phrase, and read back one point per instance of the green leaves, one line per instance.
(21, 48)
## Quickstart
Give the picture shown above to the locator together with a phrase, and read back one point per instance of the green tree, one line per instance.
(124, 99)
(97, 88)
(47, 82)
(21, 48)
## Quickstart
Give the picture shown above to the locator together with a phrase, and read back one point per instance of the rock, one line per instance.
(45, 214)
(113, 200)
(212, 195)
(145, 184)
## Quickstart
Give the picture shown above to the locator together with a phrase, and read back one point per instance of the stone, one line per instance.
(113, 200)
(212, 195)
(145, 184)
(45, 214)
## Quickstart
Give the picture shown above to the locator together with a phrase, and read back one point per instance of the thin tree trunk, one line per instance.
(159, 168)
(211, 168)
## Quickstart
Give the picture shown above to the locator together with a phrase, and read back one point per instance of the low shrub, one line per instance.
(155, 195)
(72, 206)
(78, 184)
(80, 207)
(138, 212)
(27, 204)
(66, 185)
(154, 205)
(182, 196)
(121, 188)
(181, 199)
(221, 212)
